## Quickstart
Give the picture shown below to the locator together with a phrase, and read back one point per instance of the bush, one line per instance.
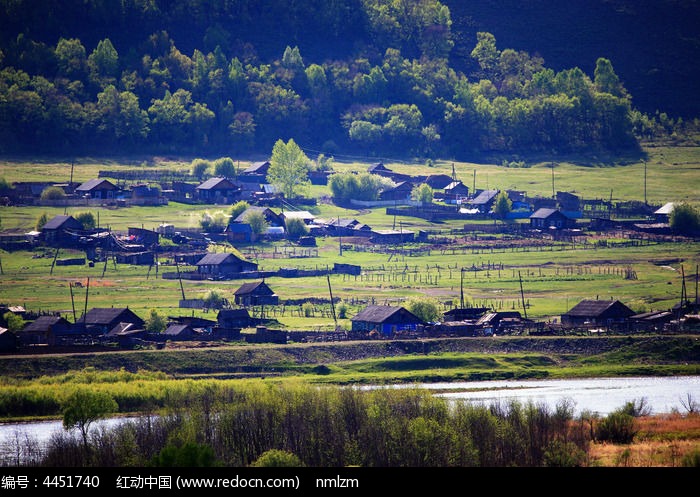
(52, 193)
(189, 454)
(275, 458)
(296, 228)
(617, 427)
(691, 460)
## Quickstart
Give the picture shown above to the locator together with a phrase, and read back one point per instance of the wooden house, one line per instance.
(255, 293)
(454, 192)
(102, 320)
(256, 172)
(591, 312)
(217, 191)
(544, 219)
(305, 216)
(234, 319)
(386, 320)
(180, 332)
(224, 265)
(43, 330)
(663, 213)
(392, 237)
(399, 193)
(484, 201)
(8, 341)
(57, 229)
(238, 232)
(438, 181)
(98, 188)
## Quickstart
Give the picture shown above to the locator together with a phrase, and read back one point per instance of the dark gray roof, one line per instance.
(247, 288)
(106, 315)
(216, 182)
(484, 197)
(176, 329)
(220, 258)
(544, 213)
(379, 313)
(94, 183)
(257, 167)
(57, 221)
(43, 323)
(589, 308)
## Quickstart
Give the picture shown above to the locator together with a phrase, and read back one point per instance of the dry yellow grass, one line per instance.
(661, 441)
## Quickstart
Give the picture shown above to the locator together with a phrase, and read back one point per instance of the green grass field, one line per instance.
(554, 277)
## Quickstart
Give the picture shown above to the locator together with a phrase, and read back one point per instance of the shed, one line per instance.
(385, 319)
(255, 293)
(597, 313)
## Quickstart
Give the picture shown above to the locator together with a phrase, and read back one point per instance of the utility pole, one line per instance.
(461, 289)
(330, 291)
(522, 295)
(645, 183)
(553, 193)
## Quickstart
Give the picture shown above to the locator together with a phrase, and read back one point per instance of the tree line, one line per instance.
(395, 93)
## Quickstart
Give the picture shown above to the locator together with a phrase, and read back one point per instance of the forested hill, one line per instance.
(654, 45)
(420, 78)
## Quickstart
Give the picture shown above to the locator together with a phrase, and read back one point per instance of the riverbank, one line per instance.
(439, 359)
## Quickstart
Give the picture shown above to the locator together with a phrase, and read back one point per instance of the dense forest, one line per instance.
(399, 77)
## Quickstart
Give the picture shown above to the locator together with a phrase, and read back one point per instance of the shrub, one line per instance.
(52, 193)
(691, 460)
(189, 454)
(276, 458)
(617, 427)
(296, 228)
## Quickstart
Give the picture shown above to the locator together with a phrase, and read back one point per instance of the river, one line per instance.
(602, 396)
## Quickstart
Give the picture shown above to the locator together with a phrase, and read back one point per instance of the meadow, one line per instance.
(645, 275)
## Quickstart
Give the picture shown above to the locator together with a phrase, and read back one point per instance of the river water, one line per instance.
(661, 395)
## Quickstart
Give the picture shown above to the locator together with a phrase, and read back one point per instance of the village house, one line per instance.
(399, 193)
(181, 332)
(8, 340)
(544, 219)
(255, 173)
(231, 319)
(392, 237)
(98, 188)
(101, 320)
(386, 320)
(589, 312)
(438, 181)
(255, 293)
(57, 229)
(455, 192)
(305, 216)
(44, 330)
(224, 265)
(217, 191)
(484, 201)
(145, 194)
